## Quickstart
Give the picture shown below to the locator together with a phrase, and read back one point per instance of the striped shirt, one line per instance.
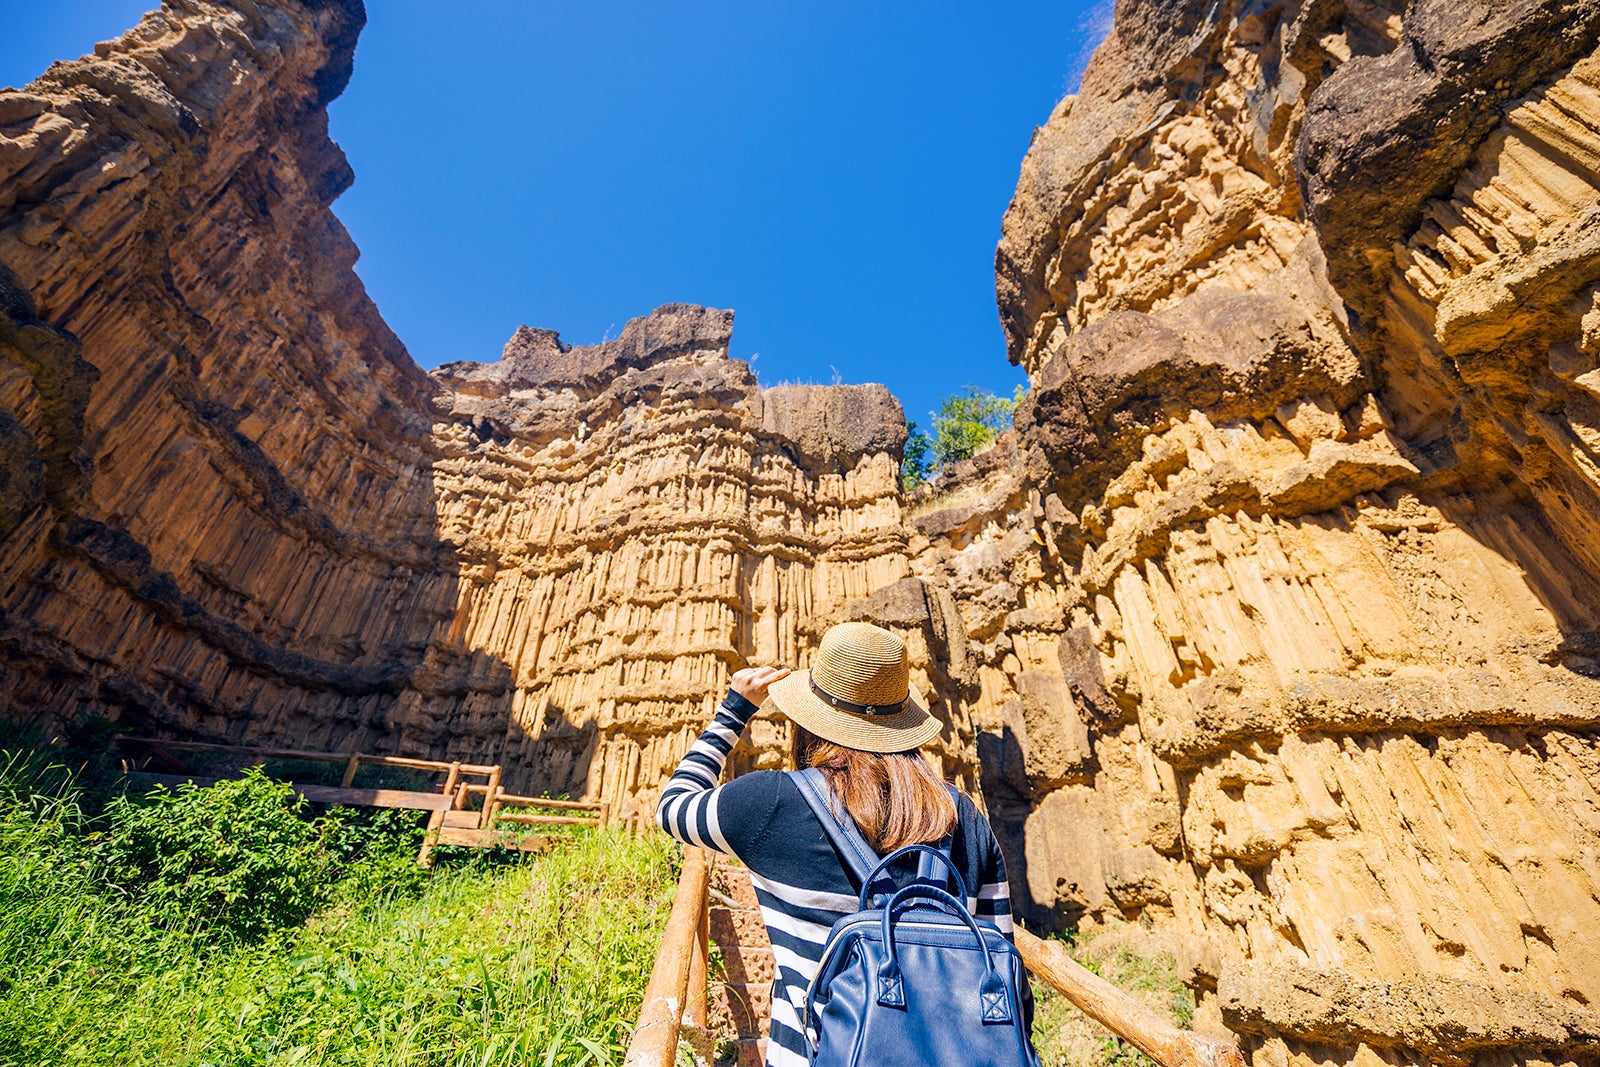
(801, 883)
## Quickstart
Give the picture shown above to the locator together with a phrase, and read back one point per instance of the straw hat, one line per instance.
(858, 692)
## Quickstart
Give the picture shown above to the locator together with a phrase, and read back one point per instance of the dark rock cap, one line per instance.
(831, 422)
(1385, 133)
(537, 358)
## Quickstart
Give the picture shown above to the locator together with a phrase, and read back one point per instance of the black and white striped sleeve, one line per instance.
(688, 807)
(993, 901)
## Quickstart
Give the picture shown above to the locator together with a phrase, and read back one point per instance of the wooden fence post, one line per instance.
(696, 1009)
(698, 963)
(491, 799)
(436, 821)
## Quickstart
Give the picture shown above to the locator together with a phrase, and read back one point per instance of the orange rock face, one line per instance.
(262, 521)
(1284, 596)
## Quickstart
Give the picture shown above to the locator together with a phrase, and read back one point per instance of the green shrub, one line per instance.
(540, 962)
(373, 856)
(918, 461)
(236, 858)
(968, 421)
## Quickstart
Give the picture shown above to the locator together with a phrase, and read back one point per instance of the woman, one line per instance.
(856, 720)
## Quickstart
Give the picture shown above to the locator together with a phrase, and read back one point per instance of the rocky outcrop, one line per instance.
(634, 521)
(234, 507)
(1284, 598)
(1275, 624)
(249, 475)
(43, 393)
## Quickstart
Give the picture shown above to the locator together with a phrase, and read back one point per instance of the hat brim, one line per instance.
(911, 727)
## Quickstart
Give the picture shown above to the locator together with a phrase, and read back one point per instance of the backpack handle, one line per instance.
(994, 1006)
(892, 858)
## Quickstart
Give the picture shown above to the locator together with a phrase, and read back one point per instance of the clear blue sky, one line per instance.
(835, 172)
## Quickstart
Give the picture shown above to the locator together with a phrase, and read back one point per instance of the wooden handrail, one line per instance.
(454, 820)
(677, 982)
(667, 997)
(295, 753)
(436, 821)
(493, 797)
(516, 801)
(1122, 1014)
(548, 820)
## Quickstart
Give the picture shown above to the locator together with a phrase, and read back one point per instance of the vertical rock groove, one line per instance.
(1284, 594)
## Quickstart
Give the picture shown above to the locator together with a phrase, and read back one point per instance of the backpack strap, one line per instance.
(843, 832)
(930, 870)
(852, 846)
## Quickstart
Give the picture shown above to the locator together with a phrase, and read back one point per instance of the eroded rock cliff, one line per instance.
(1275, 623)
(1285, 595)
(234, 507)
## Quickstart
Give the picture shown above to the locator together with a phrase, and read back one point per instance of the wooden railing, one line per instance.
(455, 821)
(1123, 1015)
(677, 990)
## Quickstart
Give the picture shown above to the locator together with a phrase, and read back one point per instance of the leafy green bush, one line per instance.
(968, 421)
(540, 962)
(918, 461)
(234, 858)
(373, 856)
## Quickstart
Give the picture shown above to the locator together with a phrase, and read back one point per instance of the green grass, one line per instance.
(1065, 1037)
(487, 961)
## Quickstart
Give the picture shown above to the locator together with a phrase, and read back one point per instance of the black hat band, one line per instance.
(857, 709)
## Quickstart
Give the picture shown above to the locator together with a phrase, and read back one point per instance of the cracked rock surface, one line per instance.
(1301, 518)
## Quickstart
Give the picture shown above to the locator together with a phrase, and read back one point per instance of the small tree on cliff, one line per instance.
(965, 424)
(969, 421)
(918, 463)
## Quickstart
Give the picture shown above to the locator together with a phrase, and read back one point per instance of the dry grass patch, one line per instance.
(1129, 959)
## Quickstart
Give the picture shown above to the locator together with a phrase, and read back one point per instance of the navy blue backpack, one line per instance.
(912, 977)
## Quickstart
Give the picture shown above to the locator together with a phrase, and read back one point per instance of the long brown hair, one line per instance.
(894, 798)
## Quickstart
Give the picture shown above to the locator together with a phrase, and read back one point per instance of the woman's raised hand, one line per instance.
(752, 682)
